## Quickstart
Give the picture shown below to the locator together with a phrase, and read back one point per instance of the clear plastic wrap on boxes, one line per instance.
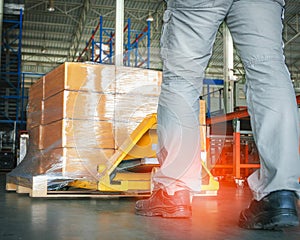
(78, 116)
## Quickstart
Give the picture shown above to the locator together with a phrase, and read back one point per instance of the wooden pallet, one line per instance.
(37, 187)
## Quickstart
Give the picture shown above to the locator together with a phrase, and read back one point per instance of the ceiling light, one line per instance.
(149, 18)
(43, 49)
(51, 6)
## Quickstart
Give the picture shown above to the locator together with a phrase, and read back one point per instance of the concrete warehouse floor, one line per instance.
(22, 217)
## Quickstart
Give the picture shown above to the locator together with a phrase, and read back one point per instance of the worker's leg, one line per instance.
(188, 35)
(256, 27)
(257, 33)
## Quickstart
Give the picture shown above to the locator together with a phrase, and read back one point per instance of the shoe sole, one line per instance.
(178, 212)
(283, 219)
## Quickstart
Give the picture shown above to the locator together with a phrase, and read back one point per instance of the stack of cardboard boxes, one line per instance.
(80, 113)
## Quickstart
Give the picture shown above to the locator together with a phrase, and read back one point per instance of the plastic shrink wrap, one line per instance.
(78, 115)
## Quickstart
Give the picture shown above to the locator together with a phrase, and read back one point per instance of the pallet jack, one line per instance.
(130, 169)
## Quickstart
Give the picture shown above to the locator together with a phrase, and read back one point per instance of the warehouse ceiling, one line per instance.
(53, 37)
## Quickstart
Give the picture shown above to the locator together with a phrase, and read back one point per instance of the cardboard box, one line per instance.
(36, 90)
(35, 104)
(102, 78)
(74, 162)
(78, 105)
(35, 137)
(137, 81)
(34, 118)
(80, 77)
(130, 111)
(77, 133)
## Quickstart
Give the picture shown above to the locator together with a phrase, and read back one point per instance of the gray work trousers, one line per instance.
(188, 35)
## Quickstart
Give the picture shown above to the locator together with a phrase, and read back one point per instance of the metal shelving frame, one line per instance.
(106, 37)
(12, 41)
(12, 93)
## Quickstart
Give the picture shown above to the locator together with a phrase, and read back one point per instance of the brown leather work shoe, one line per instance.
(168, 206)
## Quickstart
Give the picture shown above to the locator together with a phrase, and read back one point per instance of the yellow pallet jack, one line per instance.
(130, 169)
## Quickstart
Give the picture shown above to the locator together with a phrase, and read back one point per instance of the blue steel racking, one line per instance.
(208, 82)
(131, 44)
(11, 76)
(12, 96)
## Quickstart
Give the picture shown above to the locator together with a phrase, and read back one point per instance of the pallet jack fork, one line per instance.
(137, 152)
